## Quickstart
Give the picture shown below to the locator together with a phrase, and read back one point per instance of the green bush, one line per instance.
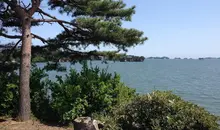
(89, 91)
(164, 111)
(8, 93)
(78, 94)
(40, 98)
(9, 96)
(38, 59)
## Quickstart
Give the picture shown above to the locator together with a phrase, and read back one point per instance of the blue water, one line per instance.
(197, 81)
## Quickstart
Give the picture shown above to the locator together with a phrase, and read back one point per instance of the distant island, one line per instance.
(164, 57)
(178, 58)
(104, 56)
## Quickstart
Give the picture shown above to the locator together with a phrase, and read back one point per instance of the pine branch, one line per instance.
(54, 19)
(10, 36)
(40, 38)
(21, 2)
(35, 6)
(11, 51)
(46, 14)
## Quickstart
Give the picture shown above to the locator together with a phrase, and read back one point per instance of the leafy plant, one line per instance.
(78, 94)
(165, 111)
(40, 98)
(89, 91)
(8, 93)
(38, 59)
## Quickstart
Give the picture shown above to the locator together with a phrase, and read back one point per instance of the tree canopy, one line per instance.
(92, 22)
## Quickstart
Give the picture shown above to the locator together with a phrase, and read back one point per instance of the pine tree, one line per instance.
(93, 22)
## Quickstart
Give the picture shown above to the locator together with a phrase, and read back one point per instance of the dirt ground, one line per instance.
(10, 124)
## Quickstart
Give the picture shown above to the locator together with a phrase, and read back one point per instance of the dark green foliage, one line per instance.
(40, 99)
(79, 94)
(8, 93)
(104, 8)
(90, 22)
(38, 59)
(50, 66)
(96, 22)
(164, 110)
(90, 91)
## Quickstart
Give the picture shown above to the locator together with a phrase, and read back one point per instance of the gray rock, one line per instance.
(87, 123)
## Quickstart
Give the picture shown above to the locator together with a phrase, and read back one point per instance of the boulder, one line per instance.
(87, 123)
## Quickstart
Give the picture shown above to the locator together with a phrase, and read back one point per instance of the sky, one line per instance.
(175, 28)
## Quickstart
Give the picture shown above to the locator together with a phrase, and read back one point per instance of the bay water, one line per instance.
(197, 81)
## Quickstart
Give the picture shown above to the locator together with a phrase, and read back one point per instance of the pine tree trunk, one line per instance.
(24, 89)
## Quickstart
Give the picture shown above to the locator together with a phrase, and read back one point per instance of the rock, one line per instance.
(87, 123)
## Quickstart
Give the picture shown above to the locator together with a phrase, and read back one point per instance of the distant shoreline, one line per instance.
(167, 58)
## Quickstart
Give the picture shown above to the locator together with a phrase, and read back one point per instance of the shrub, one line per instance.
(40, 99)
(38, 59)
(164, 110)
(79, 94)
(9, 97)
(8, 93)
(89, 91)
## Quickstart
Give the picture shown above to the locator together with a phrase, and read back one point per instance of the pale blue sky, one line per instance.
(175, 28)
(182, 28)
